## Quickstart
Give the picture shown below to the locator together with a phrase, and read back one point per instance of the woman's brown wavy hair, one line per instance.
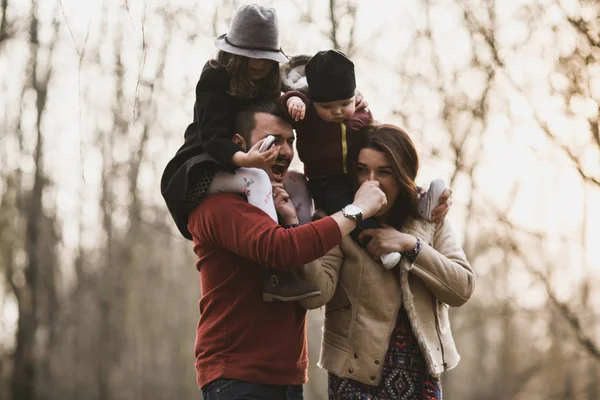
(241, 86)
(402, 154)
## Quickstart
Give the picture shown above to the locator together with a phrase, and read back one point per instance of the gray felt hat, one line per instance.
(254, 33)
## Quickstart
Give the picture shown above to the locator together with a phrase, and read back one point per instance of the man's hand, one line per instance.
(387, 240)
(370, 198)
(283, 205)
(296, 108)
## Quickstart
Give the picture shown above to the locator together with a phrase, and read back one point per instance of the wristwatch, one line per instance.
(353, 212)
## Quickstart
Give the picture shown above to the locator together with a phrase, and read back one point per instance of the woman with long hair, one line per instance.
(387, 332)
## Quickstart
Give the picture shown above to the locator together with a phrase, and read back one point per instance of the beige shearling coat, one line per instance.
(363, 299)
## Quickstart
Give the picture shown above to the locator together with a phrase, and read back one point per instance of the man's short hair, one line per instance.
(245, 120)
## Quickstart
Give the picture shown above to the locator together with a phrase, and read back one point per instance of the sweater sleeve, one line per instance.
(215, 111)
(444, 267)
(227, 221)
(301, 125)
(286, 96)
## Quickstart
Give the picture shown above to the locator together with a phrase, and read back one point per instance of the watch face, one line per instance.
(352, 209)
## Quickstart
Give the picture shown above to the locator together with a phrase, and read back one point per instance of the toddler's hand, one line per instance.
(257, 159)
(296, 108)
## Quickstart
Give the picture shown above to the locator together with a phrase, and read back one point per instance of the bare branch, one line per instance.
(5, 33)
(490, 40)
(333, 33)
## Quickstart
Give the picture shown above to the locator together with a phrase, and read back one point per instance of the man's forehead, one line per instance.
(267, 124)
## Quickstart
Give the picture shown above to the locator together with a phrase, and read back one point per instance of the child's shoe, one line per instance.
(286, 286)
(390, 260)
(431, 199)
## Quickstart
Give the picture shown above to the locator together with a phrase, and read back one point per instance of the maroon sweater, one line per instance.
(326, 148)
(239, 335)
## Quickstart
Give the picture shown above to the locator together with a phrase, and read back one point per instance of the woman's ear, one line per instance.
(240, 141)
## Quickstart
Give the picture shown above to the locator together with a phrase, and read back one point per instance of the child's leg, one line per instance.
(431, 199)
(295, 185)
(332, 194)
(388, 260)
(254, 183)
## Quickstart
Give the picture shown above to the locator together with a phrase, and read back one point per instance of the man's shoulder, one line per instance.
(218, 205)
(219, 201)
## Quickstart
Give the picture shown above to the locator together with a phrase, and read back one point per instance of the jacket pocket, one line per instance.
(338, 312)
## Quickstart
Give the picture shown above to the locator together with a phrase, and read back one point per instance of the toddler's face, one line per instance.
(336, 111)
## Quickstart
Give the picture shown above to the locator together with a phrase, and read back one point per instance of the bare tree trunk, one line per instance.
(350, 11)
(4, 26)
(333, 33)
(24, 375)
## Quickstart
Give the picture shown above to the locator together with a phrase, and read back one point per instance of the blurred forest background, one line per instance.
(99, 292)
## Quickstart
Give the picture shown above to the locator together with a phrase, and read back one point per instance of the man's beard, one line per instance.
(279, 169)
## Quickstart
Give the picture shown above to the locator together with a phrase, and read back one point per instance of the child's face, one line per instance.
(259, 68)
(336, 111)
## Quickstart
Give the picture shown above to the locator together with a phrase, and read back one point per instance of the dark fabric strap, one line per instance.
(252, 47)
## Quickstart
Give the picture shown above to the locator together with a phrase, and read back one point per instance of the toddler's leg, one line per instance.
(254, 183)
(431, 199)
(295, 185)
(388, 260)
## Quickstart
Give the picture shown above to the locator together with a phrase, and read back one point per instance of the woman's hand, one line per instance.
(439, 213)
(360, 100)
(387, 240)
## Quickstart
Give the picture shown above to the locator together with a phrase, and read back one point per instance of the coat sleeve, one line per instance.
(324, 273)
(287, 95)
(215, 113)
(444, 267)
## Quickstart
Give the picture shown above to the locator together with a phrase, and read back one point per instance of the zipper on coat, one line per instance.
(437, 328)
(344, 148)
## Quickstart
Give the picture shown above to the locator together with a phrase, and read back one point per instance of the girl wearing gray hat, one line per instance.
(246, 69)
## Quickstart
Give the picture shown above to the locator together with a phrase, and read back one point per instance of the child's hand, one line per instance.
(296, 108)
(256, 159)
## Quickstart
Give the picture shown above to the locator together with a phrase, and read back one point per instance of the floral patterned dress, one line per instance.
(405, 375)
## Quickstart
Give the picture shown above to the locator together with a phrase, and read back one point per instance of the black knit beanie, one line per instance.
(330, 76)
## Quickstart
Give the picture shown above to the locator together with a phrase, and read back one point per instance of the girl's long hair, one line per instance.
(241, 86)
(400, 150)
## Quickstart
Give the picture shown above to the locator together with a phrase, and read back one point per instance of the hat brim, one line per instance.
(276, 56)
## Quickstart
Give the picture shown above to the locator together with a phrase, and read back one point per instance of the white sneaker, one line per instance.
(431, 199)
(390, 260)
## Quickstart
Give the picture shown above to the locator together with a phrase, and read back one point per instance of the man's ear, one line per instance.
(240, 141)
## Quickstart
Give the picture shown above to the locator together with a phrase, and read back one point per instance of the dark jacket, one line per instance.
(207, 146)
(326, 148)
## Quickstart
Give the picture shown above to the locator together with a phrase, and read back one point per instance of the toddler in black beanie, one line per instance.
(327, 125)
